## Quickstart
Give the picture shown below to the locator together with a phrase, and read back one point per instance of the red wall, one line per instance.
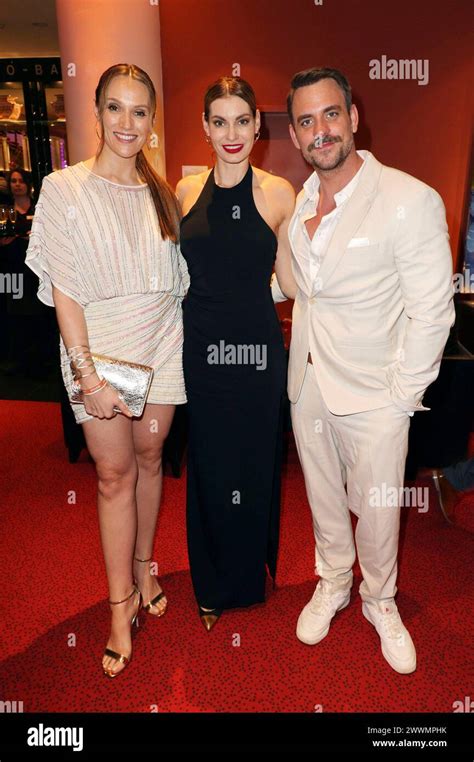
(423, 130)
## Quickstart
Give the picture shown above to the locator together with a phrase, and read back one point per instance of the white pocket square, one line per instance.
(356, 242)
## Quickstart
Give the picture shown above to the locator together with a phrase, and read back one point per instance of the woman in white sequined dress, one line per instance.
(104, 244)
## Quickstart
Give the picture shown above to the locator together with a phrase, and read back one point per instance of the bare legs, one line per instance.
(129, 490)
(149, 434)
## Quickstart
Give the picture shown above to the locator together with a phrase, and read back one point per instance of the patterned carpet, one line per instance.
(55, 616)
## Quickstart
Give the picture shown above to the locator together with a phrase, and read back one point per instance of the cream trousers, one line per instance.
(352, 463)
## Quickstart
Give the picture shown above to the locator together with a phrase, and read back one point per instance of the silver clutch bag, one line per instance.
(131, 380)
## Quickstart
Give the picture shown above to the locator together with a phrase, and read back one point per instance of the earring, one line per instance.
(208, 140)
(257, 135)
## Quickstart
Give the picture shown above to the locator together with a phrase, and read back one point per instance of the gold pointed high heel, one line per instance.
(209, 617)
(148, 606)
(121, 658)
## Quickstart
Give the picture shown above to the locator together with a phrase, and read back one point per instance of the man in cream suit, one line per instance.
(371, 317)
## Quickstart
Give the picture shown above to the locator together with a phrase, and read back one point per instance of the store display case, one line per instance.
(32, 118)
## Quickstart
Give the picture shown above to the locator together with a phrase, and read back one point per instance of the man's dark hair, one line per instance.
(310, 77)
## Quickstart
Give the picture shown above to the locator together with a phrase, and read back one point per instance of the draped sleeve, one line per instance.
(50, 251)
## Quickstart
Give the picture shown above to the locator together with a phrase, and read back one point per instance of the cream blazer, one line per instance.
(377, 325)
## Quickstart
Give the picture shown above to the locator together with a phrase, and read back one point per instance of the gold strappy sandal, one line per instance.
(148, 606)
(121, 658)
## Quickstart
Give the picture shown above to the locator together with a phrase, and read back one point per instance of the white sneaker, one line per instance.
(397, 645)
(315, 619)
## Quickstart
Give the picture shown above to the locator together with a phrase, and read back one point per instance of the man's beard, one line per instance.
(338, 160)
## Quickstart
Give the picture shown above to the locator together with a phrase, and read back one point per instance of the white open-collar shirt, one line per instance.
(309, 252)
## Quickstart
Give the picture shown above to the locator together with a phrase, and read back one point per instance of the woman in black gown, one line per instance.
(233, 232)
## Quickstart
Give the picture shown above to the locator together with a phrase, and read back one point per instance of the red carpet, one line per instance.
(55, 618)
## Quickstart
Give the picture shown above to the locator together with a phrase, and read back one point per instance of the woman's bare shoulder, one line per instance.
(276, 186)
(191, 182)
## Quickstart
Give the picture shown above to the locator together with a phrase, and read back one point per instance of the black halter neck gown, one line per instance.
(235, 369)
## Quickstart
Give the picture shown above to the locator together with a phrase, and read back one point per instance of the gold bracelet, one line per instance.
(95, 389)
(76, 346)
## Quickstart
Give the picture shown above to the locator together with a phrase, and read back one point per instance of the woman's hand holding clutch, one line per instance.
(104, 402)
(106, 385)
